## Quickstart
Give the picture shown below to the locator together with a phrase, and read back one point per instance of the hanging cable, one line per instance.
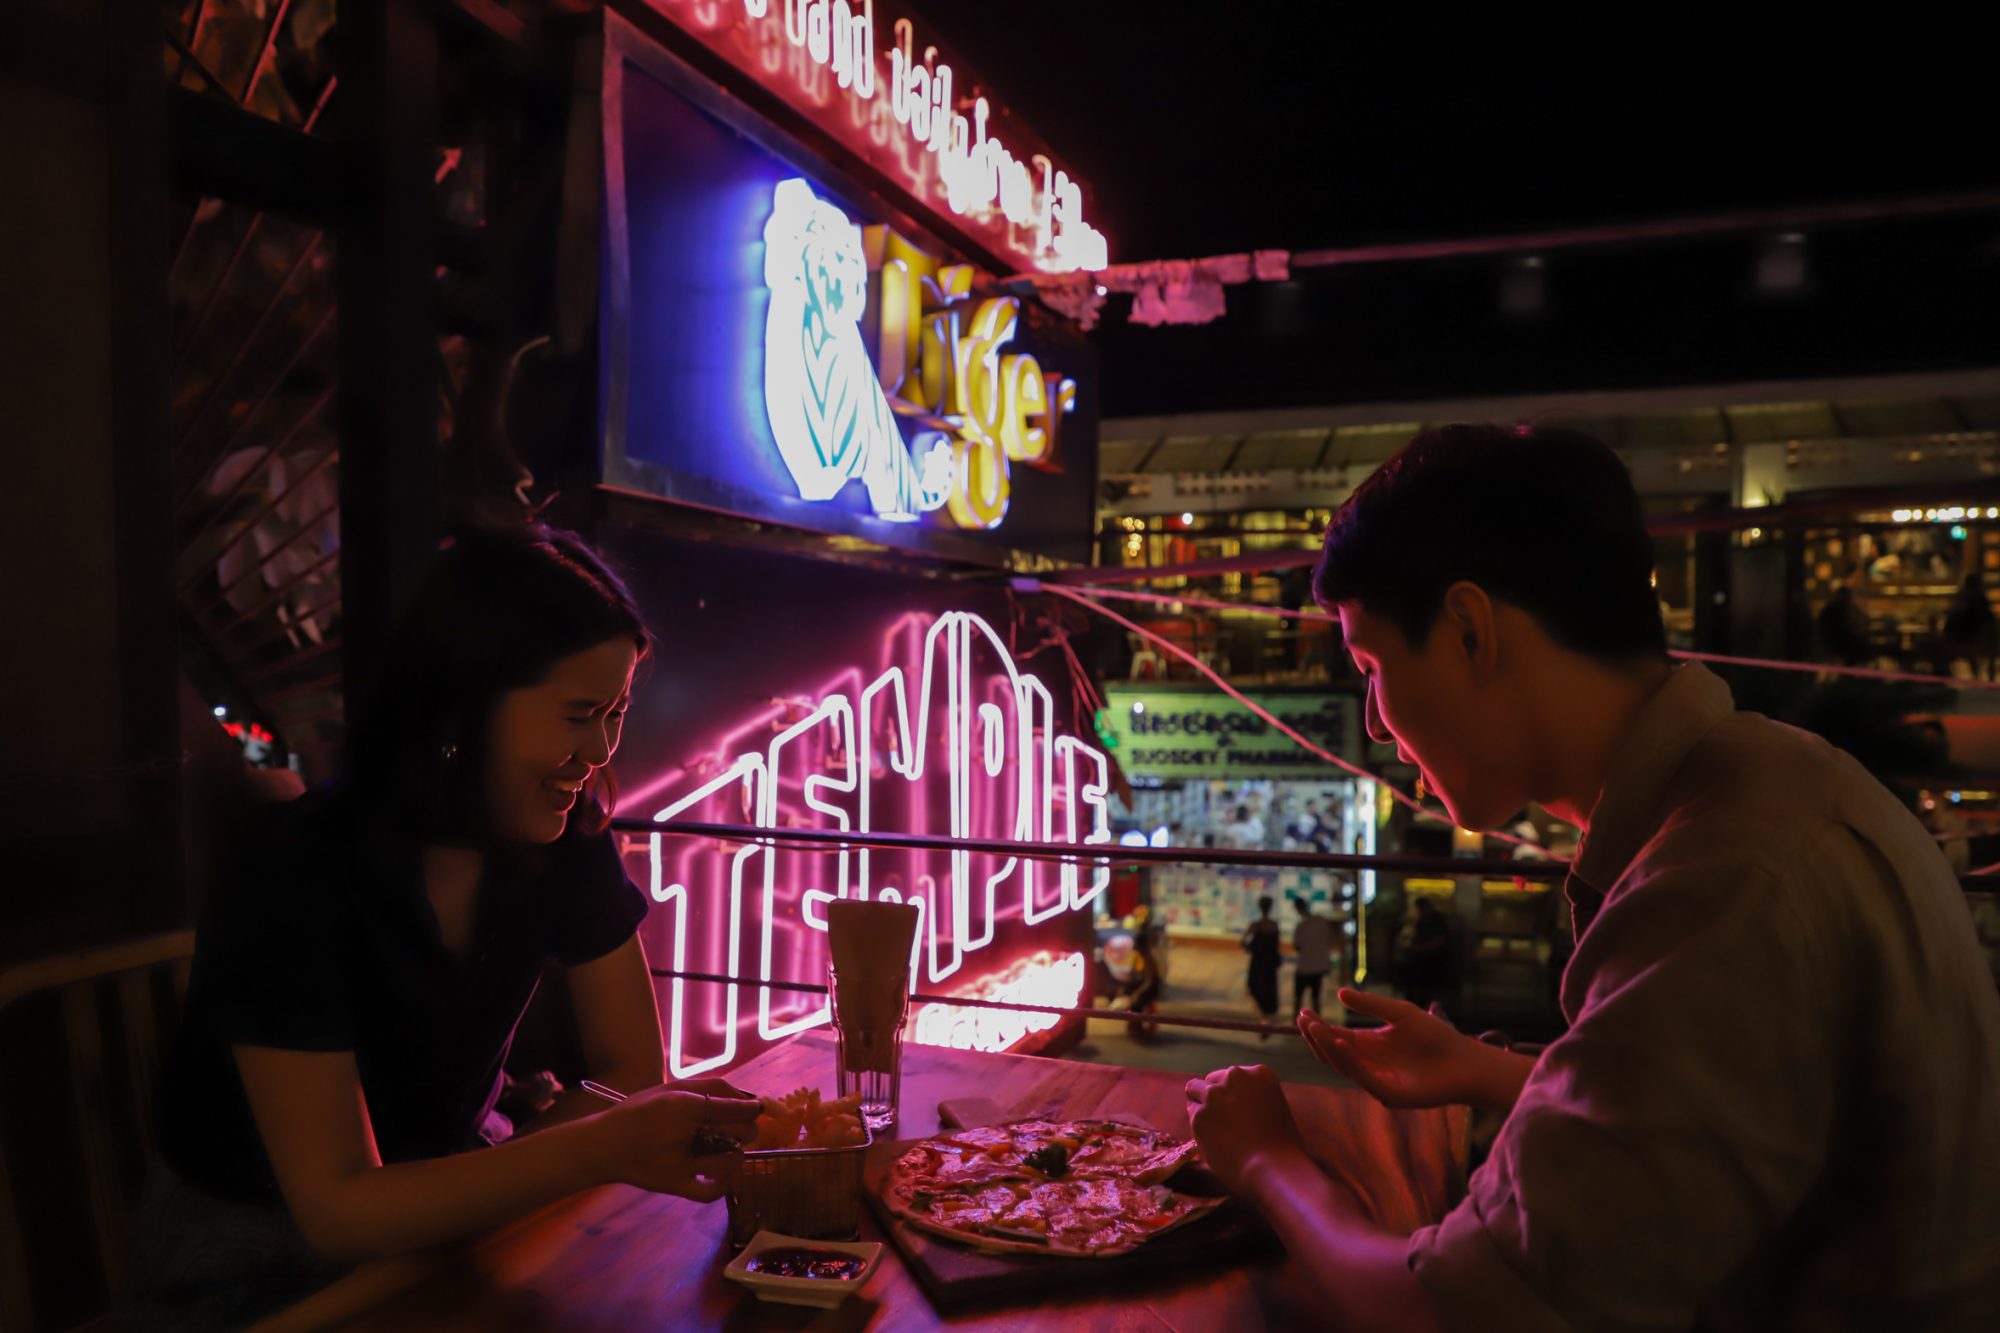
(1276, 722)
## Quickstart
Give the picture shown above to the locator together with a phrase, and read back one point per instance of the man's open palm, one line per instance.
(1415, 1059)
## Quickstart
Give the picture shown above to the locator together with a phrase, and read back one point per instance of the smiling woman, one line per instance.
(358, 980)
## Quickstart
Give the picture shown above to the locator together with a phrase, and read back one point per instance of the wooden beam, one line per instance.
(388, 246)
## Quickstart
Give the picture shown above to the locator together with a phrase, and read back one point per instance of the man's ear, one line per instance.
(1469, 618)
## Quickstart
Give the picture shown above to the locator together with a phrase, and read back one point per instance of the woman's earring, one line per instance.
(449, 751)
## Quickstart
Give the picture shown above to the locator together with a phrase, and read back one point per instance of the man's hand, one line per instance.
(1415, 1058)
(1241, 1120)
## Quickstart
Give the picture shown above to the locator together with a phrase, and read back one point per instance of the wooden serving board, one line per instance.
(957, 1277)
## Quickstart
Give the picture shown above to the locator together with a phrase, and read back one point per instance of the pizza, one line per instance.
(1073, 1187)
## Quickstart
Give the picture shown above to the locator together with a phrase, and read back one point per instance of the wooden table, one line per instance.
(619, 1258)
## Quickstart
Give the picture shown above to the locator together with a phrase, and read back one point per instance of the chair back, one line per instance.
(81, 1039)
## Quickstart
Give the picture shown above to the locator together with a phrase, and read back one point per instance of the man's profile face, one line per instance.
(1427, 702)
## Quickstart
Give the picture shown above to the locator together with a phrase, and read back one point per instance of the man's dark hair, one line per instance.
(494, 612)
(1545, 520)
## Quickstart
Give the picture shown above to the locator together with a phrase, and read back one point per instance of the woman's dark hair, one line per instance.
(1545, 520)
(494, 612)
(1265, 904)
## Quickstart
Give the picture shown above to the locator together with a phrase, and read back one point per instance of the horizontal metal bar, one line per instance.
(968, 1002)
(1667, 229)
(836, 839)
(1441, 867)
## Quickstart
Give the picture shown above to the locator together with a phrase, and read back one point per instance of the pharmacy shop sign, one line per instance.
(1166, 734)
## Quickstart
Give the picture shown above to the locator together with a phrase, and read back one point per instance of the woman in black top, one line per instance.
(1260, 938)
(358, 979)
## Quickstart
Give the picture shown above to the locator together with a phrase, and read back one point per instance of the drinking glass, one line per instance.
(869, 1034)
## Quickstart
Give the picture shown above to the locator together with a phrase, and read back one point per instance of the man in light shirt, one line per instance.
(1312, 949)
(1777, 1105)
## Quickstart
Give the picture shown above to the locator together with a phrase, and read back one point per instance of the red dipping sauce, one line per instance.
(796, 1261)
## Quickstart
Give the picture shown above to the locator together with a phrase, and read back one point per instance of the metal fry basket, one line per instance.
(809, 1192)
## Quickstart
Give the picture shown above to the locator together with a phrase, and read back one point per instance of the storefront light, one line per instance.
(1902, 515)
(1187, 520)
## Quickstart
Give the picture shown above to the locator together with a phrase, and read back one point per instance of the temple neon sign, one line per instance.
(948, 737)
(834, 410)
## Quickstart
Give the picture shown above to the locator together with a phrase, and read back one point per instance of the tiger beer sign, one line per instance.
(938, 413)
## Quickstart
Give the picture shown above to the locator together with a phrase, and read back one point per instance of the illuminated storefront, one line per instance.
(1207, 770)
(816, 401)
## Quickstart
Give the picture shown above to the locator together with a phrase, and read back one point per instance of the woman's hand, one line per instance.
(648, 1139)
(1241, 1120)
(1415, 1059)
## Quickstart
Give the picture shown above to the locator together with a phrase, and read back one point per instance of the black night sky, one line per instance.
(1323, 125)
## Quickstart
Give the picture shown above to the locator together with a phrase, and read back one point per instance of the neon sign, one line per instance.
(939, 353)
(948, 737)
(1042, 979)
(906, 112)
(828, 414)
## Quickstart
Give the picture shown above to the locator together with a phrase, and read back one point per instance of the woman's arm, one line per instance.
(314, 1123)
(619, 1020)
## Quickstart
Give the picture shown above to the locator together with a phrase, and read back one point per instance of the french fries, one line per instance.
(800, 1119)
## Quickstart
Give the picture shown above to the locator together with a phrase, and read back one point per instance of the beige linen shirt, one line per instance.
(1778, 1102)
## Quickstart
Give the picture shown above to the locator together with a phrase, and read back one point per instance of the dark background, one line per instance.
(1208, 130)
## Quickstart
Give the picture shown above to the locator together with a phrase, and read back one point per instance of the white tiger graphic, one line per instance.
(828, 414)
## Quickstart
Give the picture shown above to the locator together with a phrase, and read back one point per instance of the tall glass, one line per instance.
(870, 1050)
(869, 981)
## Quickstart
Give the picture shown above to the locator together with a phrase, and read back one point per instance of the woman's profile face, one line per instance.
(547, 739)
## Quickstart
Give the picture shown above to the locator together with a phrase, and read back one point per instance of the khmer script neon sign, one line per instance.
(907, 112)
(946, 736)
(977, 409)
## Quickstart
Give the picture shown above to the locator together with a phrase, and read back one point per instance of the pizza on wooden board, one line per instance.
(1073, 1187)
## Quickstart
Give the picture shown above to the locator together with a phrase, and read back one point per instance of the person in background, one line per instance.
(1971, 631)
(1306, 830)
(1312, 949)
(1424, 963)
(1777, 1102)
(1244, 831)
(1843, 631)
(360, 972)
(1141, 992)
(1261, 942)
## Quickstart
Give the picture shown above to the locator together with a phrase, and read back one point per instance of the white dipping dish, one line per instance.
(821, 1293)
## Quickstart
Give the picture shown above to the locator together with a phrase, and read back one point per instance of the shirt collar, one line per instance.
(1673, 721)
